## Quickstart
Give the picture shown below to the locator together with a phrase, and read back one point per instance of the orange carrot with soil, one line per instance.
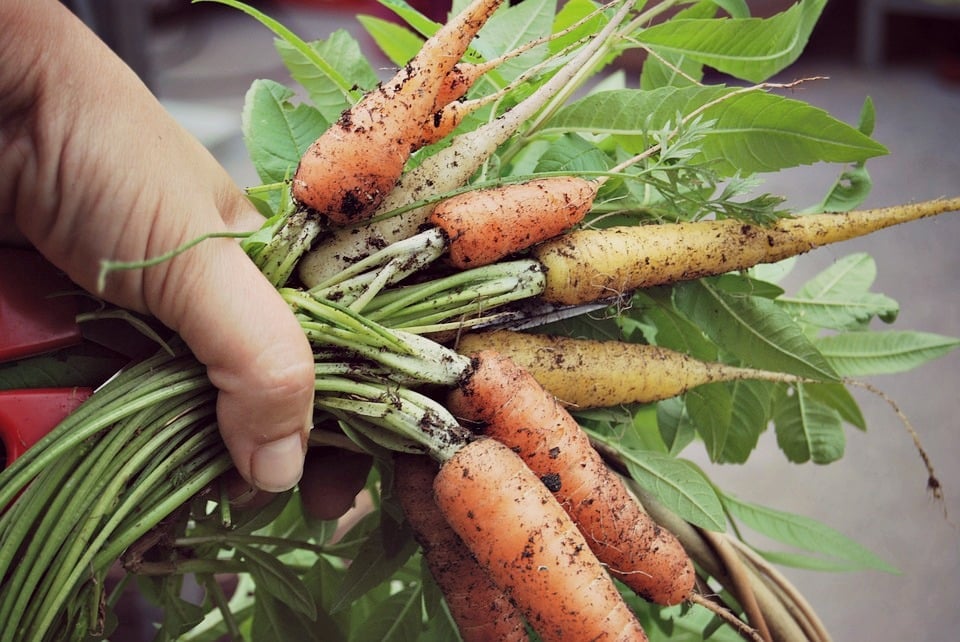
(586, 373)
(486, 225)
(507, 404)
(479, 607)
(588, 265)
(527, 542)
(347, 172)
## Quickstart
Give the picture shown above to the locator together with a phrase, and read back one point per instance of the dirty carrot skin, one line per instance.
(486, 225)
(588, 265)
(530, 547)
(346, 173)
(585, 373)
(479, 607)
(506, 403)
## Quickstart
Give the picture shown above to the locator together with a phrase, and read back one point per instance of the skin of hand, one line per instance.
(93, 167)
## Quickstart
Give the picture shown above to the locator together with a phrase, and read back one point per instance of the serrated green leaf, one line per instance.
(749, 48)
(293, 42)
(854, 184)
(673, 330)
(803, 533)
(752, 131)
(676, 429)
(417, 21)
(574, 154)
(669, 69)
(858, 354)
(836, 396)
(710, 408)
(839, 298)
(276, 131)
(342, 59)
(750, 414)
(807, 429)
(676, 483)
(276, 578)
(511, 27)
(753, 329)
(273, 619)
(374, 564)
(397, 42)
(396, 619)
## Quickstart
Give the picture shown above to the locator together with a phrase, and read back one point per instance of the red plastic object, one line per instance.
(32, 319)
(26, 416)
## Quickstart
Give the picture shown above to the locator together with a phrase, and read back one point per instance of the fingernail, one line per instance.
(278, 465)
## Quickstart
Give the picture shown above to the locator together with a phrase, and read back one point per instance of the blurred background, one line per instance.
(905, 55)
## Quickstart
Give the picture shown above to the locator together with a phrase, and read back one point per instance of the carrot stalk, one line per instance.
(585, 373)
(588, 265)
(519, 532)
(479, 607)
(346, 173)
(506, 403)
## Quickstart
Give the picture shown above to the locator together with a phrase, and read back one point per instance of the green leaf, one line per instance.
(749, 48)
(342, 59)
(273, 619)
(276, 132)
(836, 396)
(803, 533)
(293, 41)
(419, 22)
(669, 69)
(752, 131)
(676, 483)
(854, 184)
(676, 428)
(839, 298)
(374, 564)
(276, 578)
(750, 413)
(513, 26)
(752, 328)
(807, 429)
(858, 354)
(572, 153)
(396, 619)
(673, 330)
(710, 408)
(397, 42)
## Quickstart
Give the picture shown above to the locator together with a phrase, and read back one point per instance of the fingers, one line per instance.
(256, 355)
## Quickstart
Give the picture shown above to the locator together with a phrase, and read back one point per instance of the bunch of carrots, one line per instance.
(389, 265)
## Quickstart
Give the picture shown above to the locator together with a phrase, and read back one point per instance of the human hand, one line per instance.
(93, 167)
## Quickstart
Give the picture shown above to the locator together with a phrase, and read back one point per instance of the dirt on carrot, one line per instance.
(505, 402)
(530, 547)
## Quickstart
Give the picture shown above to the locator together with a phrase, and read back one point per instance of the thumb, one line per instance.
(256, 355)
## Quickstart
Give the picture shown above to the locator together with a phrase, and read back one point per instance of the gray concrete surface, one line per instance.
(876, 493)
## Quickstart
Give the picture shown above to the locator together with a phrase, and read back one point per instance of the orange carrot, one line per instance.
(508, 405)
(345, 173)
(530, 547)
(587, 265)
(479, 607)
(486, 225)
